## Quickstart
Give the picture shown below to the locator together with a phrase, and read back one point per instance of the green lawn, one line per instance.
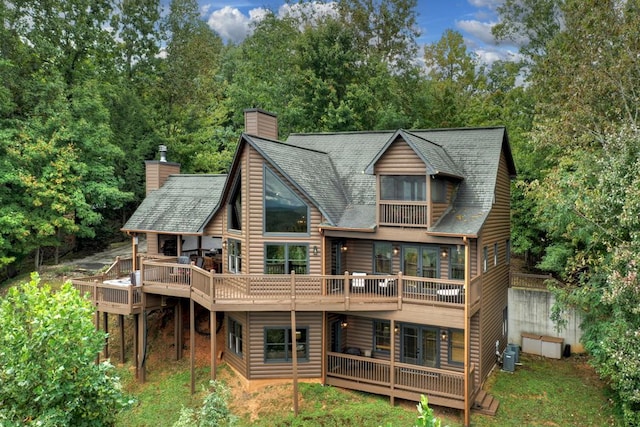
(541, 392)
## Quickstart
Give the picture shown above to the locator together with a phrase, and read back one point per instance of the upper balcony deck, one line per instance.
(272, 292)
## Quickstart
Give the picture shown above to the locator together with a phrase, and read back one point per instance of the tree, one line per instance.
(48, 347)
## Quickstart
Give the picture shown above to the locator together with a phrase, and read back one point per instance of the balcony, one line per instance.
(403, 213)
(273, 292)
(401, 380)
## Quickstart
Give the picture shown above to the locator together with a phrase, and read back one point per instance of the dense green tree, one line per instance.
(48, 348)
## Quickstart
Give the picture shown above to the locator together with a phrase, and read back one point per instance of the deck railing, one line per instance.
(411, 378)
(172, 278)
(408, 214)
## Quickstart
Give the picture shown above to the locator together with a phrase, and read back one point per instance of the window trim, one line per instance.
(451, 256)
(495, 254)
(451, 347)
(411, 179)
(287, 260)
(377, 245)
(379, 348)
(485, 259)
(439, 183)
(287, 333)
(420, 328)
(232, 333)
(235, 192)
(234, 256)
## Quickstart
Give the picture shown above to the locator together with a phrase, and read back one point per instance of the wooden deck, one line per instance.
(400, 380)
(113, 293)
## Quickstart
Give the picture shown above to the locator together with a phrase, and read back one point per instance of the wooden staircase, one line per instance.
(485, 404)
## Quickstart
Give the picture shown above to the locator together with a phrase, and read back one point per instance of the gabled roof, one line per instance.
(435, 158)
(183, 205)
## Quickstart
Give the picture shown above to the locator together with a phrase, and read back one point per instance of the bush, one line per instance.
(213, 413)
(48, 348)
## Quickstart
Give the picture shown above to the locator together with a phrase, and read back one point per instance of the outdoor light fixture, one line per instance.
(315, 250)
(396, 330)
(343, 322)
(444, 253)
(443, 335)
(396, 250)
(224, 245)
(343, 247)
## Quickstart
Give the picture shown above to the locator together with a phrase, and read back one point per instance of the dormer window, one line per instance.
(403, 187)
(438, 190)
(284, 211)
(235, 207)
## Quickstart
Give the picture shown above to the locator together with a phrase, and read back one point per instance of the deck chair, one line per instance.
(358, 284)
(387, 286)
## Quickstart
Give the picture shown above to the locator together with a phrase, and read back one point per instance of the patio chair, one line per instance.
(358, 284)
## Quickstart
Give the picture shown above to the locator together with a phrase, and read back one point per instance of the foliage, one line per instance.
(426, 418)
(213, 412)
(48, 348)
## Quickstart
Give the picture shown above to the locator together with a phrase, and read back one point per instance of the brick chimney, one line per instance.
(261, 123)
(157, 171)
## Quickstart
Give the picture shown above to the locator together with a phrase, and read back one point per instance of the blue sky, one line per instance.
(472, 18)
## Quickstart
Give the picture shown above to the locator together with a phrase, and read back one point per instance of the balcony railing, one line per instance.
(366, 372)
(402, 213)
(351, 291)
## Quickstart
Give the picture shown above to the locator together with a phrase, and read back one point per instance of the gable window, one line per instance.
(278, 344)
(284, 211)
(456, 264)
(234, 256)
(456, 346)
(383, 260)
(403, 187)
(282, 258)
(382, 336)
(235, 207)
(438, 190)
(508, 251)
(419, 345)
(235, 336)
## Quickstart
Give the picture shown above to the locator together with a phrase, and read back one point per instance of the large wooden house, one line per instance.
(375, 261)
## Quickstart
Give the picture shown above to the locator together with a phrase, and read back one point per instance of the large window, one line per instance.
(456, 346)
(382, 336)
(234, 255)
(282, 258)
(456, 264)
(419, 345)
(383, 258)
(284, 211)
(403, 187)
(235, 207)
(235, 336)
(278, 344)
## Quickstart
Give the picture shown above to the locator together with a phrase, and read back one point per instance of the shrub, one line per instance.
(213, 413)
(48, 348)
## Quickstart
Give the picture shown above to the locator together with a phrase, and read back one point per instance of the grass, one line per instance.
(541, 392)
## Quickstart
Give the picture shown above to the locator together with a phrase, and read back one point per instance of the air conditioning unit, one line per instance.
(516, 349)
(509, 361)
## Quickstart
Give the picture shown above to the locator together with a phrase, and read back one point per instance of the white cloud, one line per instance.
(478, 30)
(233, 25)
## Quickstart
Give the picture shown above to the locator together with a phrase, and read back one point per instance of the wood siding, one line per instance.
(259, 369)
(261, 123)
(238, 362)
(400, 159)
(495, 281)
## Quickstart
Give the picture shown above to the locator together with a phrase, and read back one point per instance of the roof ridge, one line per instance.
(285, 143)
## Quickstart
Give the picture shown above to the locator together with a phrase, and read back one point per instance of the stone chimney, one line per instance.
(157, 171)
(261, 123)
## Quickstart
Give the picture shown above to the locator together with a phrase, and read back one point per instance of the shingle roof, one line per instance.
(472, 154)
(184, 204)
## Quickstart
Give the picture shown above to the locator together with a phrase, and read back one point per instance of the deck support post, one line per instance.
(122, 343)
(294, 355)
(105, 328)
(192, 343)
(177, 330)
(142, 331)
(214, 344)
(392, 363)
(97, 329)
(136, 347)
